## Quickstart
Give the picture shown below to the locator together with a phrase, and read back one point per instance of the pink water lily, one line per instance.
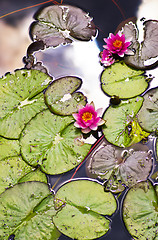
(106, 58)
(117, 44)
(88, 118)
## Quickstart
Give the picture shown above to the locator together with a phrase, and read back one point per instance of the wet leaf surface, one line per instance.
(53, 143)
(9, 148)
(140, 211)
(123, 81)
(61, 97)
(27, 210)
(60, 24)
(82, 204)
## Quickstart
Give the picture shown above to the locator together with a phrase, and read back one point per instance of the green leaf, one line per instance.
(9, 148)
(61, 97)
(140, 211)
(59, 24)
(121, 127)
(35, 175)
(148, 114)
(53, 142)
(123, 81)
(27, 210)
(20, 100)
(82, 204)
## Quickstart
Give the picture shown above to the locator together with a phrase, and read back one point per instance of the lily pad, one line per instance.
(123, 81)
(21, 98)
(14, 170)
(140, 211)
(9, 148)
(52, 142)
(81, 204)
(148, 114)
(121, 127)
(146, 52)
(60, 24)
(26, 211)
(61, 97)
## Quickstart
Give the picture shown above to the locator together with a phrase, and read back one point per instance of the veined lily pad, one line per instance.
(14, 170)
(148, 114)
(121, 127)
(20, 100)
(53, 142)
(123, 81)
(9, 148)
(59, 24)
(26, 211)
(81, 204)
(140, 211)
(61, 97)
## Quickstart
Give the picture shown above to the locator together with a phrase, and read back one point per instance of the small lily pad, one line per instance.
(140, 211)
(60, 24)
(148, 114)
(20, 100)
(121, 127)
(52, 142)
(9, 148)
(82, 204)
(61, 97)
(27, 210)
(123, 81)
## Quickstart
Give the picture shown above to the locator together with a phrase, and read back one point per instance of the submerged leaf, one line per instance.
(148, 114)
(61, 97)
(53, 143)
(59, 24)
(27, 210)
(84, 203)
(140, 211)
(21, 98)
(123, 81)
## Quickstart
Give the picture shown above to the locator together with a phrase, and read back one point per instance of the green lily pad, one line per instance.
(140, 211)
(26, 211)
(148, 114)
(14, 170)
(20, 100)
(121, 127)
(60, 24)
(81, 204)
(123, 81)
(61, 97)
(53, 142)
(9, 148)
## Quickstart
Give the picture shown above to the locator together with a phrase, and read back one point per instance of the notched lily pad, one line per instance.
(21, 98)
(146, 52)
(52, 142)
(60, 24)
(140, 211)
(61, 98)
(121, 127)
(9, 148)
(84, 203)
(123, 81)
(27, 210)
(148, 114)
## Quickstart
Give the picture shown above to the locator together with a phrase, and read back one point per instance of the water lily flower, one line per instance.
(88, 118)
(117, 44)
(106, 58)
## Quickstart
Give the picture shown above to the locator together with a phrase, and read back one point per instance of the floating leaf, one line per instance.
(61, 97)
(59, 24)
(121, 127)
(20, 100)
(9, 148)
(53, 142)
(146, 52)
(35, 175)
(140, 211)
(148, 114)
(82, 204)
(123, 81)
(27, 210)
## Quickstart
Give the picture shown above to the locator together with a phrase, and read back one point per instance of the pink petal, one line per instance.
(99, 112)
(75, 115)
(86, 130)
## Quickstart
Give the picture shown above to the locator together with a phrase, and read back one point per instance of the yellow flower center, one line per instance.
(117, 43)
(87, 116)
